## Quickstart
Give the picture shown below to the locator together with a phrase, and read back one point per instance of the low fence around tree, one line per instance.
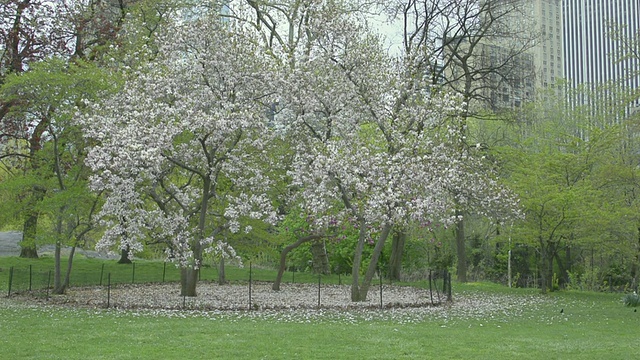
(37, 282)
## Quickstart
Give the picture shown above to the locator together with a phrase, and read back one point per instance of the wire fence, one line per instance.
(105, 279)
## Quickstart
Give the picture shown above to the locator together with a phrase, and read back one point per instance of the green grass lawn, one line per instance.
(591, 326)
(499, 323)
(37, 273)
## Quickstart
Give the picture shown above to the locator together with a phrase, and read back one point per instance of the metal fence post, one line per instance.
(48, 283)
(101, 273)
(250, 280)
(319, 284)
(449, 297)
(444, 281)
(10, 280)
(380, 277)
(108, 290)
(430, 288)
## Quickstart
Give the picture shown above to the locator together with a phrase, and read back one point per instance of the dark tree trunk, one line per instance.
(550, 273)
(636, 264)
(543, 274)
(222, 276)
(568, 262)
(320, 258)
(124, 256)
(188, 281)
(28, 248)
(373, 265)
(57, 278)
(561, 267)
(395, 260)
(461, 249)
(548, 251)
(283, 258)
(564, 267)
(357, 261)
(67, 275)
(61, 285)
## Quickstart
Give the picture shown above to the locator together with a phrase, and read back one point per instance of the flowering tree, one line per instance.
(179, 149)
(374, 141)
(374, 144)
(473, 48)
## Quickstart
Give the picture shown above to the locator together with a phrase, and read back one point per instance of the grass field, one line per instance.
(95, 271)
(502, 324)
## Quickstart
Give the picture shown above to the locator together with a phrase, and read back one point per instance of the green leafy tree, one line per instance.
(37, 31)
(54, 90)
(557, 163)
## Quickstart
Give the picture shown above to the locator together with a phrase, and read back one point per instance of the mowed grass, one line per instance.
(88, 271)
(498, 323)
(486, 322)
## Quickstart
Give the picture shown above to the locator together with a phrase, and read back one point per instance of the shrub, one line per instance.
(631, 300)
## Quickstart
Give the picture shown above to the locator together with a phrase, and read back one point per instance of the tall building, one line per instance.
(592, 55)
(485, 49)
(519, 49)
(575, 43)
(548, 52)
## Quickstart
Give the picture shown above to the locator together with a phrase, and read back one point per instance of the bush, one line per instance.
(631, 300)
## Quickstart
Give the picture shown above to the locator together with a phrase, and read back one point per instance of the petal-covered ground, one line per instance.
(296, 303)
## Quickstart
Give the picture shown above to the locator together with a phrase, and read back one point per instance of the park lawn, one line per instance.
(591, 326)
(87, 271)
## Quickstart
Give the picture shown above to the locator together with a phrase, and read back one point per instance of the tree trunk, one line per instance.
(67, 276)
(371, 270)
(550, 272)
(28, 247)
(124, 256)
(222, 277)
(57, 278)
(357, 260)
(188, 280)
(547, 253)
(565, 266)
(189, 274)
(320, 258)
(283, 258)
(61, 285)
(543, 273)
(58, 287)
(395, 261)
(461, 249)
(636, 264)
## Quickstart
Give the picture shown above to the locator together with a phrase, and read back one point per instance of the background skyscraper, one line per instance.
(591, 54)
(548, 53)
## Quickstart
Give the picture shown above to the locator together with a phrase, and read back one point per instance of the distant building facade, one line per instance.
(573, 43)
(548, 53)
(592, 55)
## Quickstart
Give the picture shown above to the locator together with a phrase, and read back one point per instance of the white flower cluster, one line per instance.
(178, 129)
(184, 150)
